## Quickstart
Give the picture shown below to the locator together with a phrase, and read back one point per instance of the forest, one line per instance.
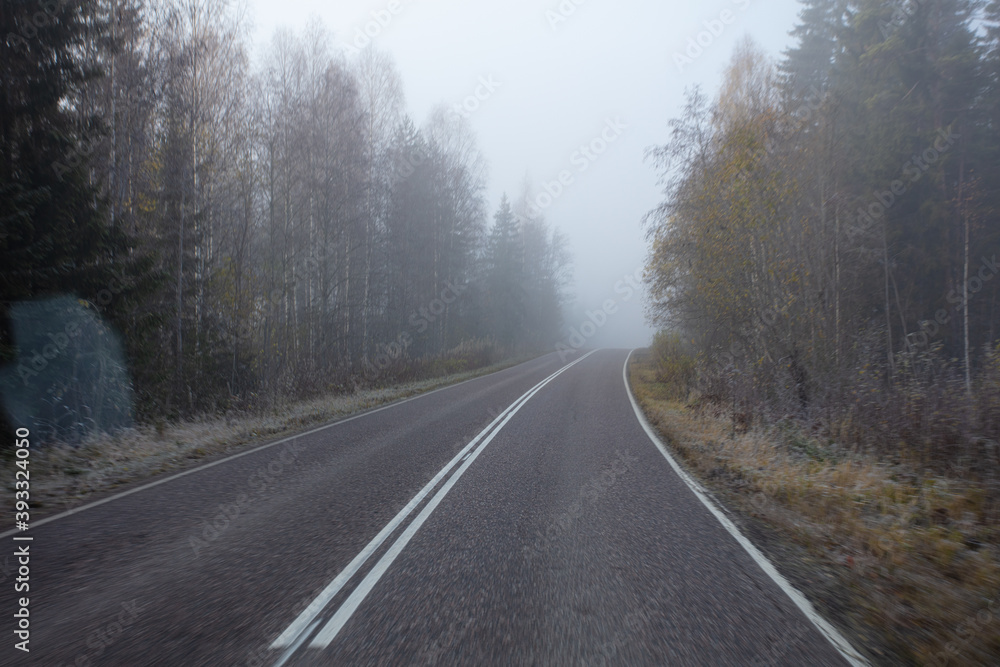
(826, 248)
(222, 228)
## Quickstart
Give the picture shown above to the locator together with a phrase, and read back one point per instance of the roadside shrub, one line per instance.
(675, 366)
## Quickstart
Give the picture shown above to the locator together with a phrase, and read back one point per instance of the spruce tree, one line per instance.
(505, 287)
(807, 65)
(54, 232)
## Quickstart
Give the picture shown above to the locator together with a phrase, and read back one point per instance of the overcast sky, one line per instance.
(555, 77)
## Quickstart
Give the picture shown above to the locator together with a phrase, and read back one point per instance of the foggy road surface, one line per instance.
(521, 518)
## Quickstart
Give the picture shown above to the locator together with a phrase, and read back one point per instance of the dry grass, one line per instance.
(916, 558)
(64, 476)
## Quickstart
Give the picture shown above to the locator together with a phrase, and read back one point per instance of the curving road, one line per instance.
(521, 518)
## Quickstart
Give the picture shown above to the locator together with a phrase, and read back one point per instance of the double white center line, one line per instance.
(305, 624)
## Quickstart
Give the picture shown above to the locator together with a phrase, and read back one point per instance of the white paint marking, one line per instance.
(96, 503)
(295, 647)
(300, 627)
(293, 631)
(333, 627)
(831, 633)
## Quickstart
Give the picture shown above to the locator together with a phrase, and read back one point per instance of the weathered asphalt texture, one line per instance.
(569, 541)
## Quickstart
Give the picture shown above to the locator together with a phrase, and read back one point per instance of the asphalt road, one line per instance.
(492, 522)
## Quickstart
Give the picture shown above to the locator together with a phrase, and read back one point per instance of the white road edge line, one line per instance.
(302, 625)
(337, 621)
(838, 641)
(81, 508)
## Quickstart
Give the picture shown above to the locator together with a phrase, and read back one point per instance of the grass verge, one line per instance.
(906, 562)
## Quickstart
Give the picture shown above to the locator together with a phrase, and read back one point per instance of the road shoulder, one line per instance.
(697, 442)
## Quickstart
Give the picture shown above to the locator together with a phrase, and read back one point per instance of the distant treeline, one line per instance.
(828, 242)
(250, 231)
